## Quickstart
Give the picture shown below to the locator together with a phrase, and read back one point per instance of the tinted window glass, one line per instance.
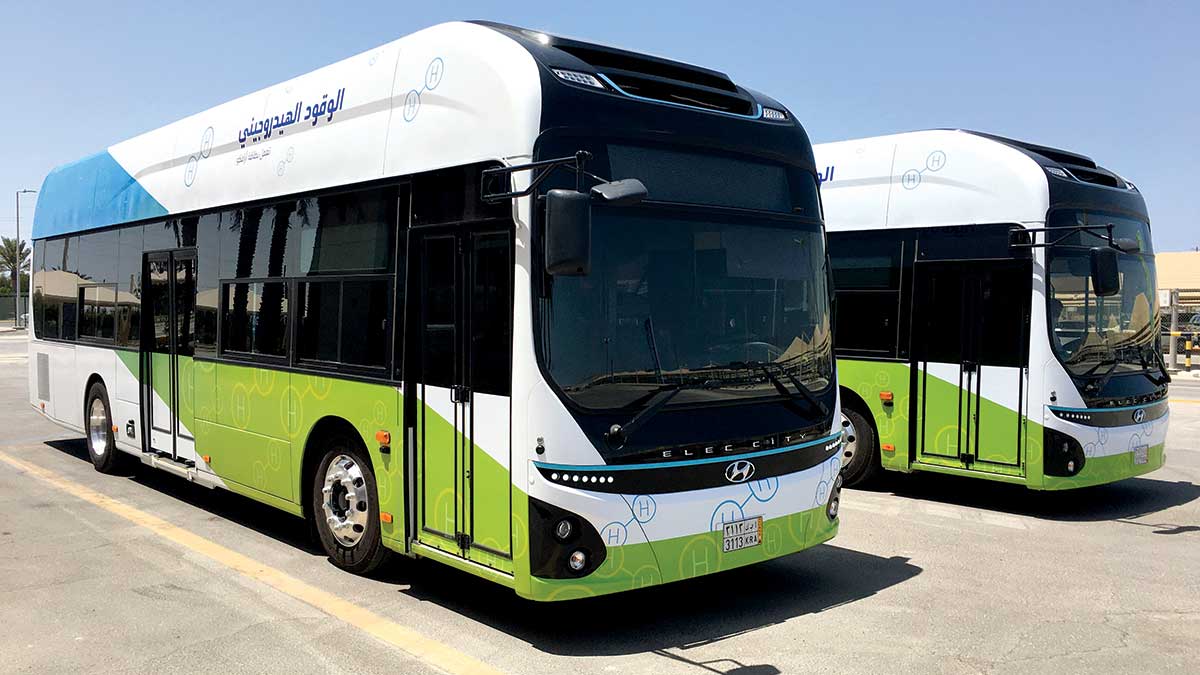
(97, 315)
(185, 305)
(491, 314)
(345, 233)
(438, 308)
(939, 331)
(159, 289)
(39, 281)
(69, 314)
(864, 260)
(256, 318)
(162, 236)
(451, 196)
(98, 257)
(675, 176)
(255, 241)
(365, 308)
(1003, 313)
(129, 286)
(866, 322)
(207, 294)
(318, 321)
(58, 286)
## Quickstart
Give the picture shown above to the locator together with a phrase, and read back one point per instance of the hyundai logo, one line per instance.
(739, 471)
(1139, 415)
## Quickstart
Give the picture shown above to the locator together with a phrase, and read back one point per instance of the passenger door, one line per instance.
(970, 344)
(168, 344)
(459, 385)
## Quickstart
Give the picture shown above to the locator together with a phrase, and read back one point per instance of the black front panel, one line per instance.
(668, 477)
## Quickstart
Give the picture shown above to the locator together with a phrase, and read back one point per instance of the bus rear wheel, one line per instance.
(860, 455)
(102, 446)
(345, 507)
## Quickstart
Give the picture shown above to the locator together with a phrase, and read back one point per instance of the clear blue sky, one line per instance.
(1114, 80)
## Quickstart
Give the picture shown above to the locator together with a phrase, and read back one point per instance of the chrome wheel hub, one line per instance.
(851, 445)
(97, 428)
(344, 500)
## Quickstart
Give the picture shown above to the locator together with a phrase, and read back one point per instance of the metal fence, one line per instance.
(8, 306)
(1181, 328)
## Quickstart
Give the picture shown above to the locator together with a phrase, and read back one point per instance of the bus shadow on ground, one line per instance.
(263, 519)
(677, 616)
(1121, 501)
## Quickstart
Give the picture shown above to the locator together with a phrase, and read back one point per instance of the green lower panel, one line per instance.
(640, 565)
(255, 423)
(1100, 470)
(869, 379)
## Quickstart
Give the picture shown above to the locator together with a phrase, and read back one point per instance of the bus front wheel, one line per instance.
(345, 507)
(860, 455)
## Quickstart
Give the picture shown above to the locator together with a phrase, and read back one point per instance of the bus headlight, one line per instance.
(835, 499)
(577, 561)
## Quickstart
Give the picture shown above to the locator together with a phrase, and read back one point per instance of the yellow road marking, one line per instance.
(430, 651)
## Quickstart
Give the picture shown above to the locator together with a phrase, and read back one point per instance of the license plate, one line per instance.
(1141, 454)
(742, 534)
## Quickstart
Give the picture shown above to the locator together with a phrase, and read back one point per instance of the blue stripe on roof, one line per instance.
(94, 192)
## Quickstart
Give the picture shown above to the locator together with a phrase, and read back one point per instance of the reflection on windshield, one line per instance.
(1087, 330)
(699, 303)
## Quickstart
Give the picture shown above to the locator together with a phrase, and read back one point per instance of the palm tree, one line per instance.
(14, 256)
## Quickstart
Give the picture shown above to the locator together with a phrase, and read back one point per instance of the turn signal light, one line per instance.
(207, 459)
(383, 437)
(887, 447)
(385, 516)
(885, 396)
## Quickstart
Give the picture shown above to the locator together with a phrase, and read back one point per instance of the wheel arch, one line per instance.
(87, 388)
(326, 427)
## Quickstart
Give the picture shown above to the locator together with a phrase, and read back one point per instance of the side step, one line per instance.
(181, 469)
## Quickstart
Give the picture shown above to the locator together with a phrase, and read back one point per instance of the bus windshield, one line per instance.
(725, 306)
(1093, 335)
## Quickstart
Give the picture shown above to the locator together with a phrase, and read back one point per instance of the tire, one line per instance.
(101, 444)
(861, 454)
(347, 518)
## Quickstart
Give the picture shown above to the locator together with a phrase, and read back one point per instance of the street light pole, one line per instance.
(17, 300)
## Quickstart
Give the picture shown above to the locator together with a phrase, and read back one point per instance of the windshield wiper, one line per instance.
(619, 434)
(801, 390)
(1158, 361)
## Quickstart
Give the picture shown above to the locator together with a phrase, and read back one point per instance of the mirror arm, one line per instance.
(546, 166)
(1067, 231)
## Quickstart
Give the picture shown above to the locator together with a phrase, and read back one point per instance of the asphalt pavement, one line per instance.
(145, 573)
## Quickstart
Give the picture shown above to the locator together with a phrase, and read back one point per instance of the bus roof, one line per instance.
(451, 94)
(946, 177)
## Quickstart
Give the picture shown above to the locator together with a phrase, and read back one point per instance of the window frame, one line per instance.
(81, 304)
(338, 365)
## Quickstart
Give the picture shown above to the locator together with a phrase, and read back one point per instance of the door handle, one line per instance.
(460, 394)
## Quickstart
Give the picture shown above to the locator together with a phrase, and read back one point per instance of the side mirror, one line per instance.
(1128, 245)
(624, 192)
(1106, 277)
(568, 233)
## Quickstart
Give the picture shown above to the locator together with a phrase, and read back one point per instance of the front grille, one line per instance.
(1094, 177)
(668, 91)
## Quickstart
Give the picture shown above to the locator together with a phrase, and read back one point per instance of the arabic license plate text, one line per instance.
(742, 534)
(1141, 454)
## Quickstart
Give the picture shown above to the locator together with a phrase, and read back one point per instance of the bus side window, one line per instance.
(866, 279)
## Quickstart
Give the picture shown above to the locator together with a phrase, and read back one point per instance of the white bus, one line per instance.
(402, 296)
(996, 311)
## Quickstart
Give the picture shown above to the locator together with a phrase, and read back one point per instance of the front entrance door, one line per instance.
(970, 345)
(169, 302)
(458, 380)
